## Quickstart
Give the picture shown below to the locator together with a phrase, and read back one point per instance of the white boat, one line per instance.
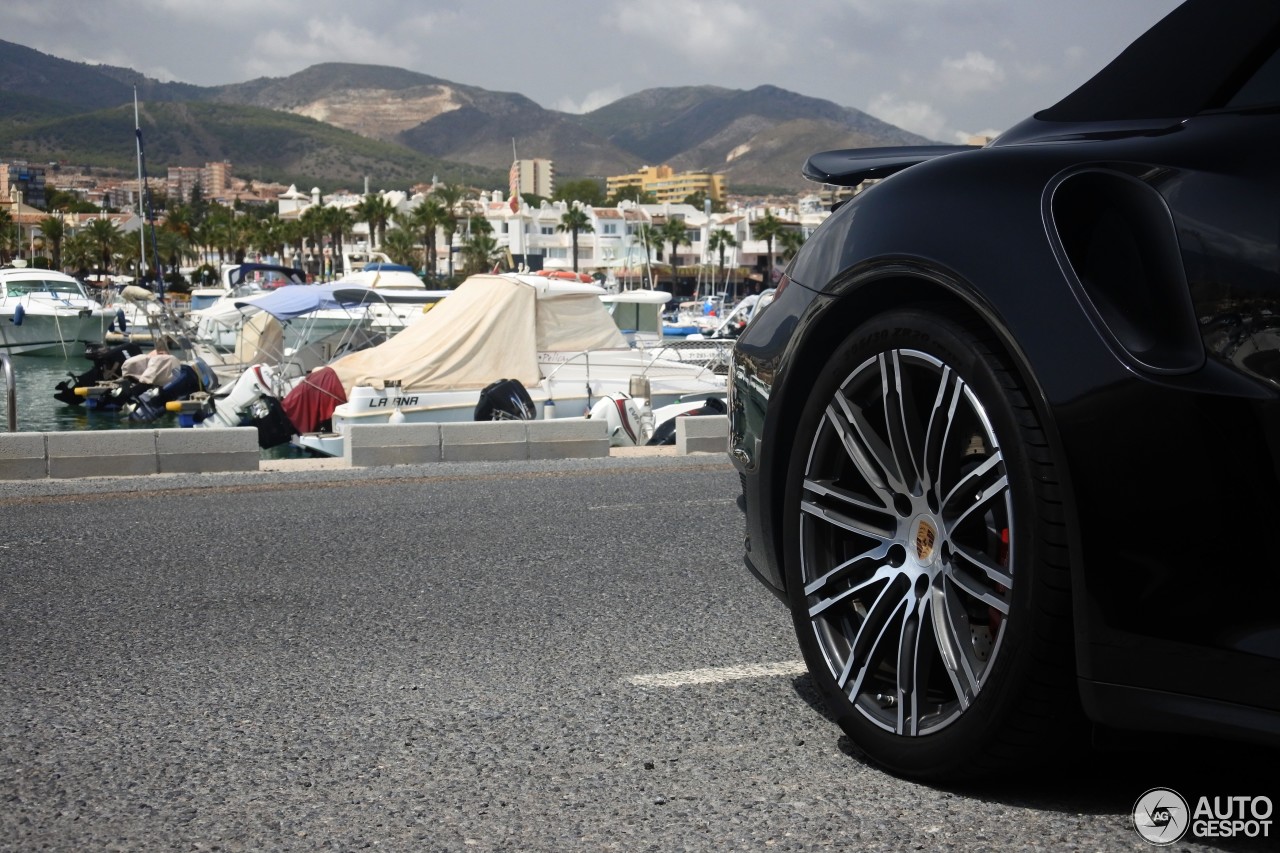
(553, 337)
(43, 312)
(638, 314)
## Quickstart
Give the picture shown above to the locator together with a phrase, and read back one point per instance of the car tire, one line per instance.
(925, 553)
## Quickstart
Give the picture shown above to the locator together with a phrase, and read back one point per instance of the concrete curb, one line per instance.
(138, 452)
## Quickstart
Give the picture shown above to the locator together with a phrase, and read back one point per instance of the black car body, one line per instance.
(1115, 263)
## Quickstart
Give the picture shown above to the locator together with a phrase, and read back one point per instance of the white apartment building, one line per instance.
(532, 236)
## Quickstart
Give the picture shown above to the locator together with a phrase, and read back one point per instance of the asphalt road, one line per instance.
(542, 656)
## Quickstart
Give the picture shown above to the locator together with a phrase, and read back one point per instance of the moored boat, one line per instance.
(43, 312)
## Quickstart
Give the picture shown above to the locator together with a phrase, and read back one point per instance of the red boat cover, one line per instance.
(313, 400)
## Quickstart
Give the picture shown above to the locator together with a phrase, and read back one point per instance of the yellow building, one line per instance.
(665, 185)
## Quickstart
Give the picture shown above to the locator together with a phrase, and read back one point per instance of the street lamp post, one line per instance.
(15, 198)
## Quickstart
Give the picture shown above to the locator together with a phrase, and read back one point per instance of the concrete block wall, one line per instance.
(702, 434)
(475, 441)
(116, 453)
(391, 444)
(126, 452)
(22, 456)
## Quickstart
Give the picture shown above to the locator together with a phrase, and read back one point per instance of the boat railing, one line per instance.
(10, 391)
(713, 354)
(601, 359)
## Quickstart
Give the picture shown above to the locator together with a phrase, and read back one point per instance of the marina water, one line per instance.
(35, 378)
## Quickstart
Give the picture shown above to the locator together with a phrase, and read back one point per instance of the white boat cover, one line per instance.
(492, 327)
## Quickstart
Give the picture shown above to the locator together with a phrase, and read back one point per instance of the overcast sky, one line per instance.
(941, 68)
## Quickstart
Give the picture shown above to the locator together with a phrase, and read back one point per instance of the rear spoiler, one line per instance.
(849, 167)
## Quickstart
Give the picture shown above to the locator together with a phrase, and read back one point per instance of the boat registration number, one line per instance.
(383, 402)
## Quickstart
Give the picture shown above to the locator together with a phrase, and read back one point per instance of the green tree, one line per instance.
(588, 191)
(575, 221)
(673, 231)
(648, 237)
(699, 200)
(720, 241)
(401, 247)
(8, 236)
(339, 223)
(768, 228)
(376, 211)
(55, 232)
(480, 250)
(790, 240)
(427, 216)
(268, 236)
(632, 193)
(105, 237)
(78, 251)
(313, 228)
(451, 197)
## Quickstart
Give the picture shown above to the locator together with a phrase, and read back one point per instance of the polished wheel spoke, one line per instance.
(941, 418)
(994, 573)
(902, 422)
(952, 633)
(915, 661)
(974, 492)
(869, 636)
(827, 593)
(868, 451)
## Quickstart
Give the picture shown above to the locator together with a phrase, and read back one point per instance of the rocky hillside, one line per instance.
(333, 121)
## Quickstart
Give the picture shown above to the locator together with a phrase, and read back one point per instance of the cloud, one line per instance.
(703, 31)
(915, 116)
(593, 100)
(282, 52)
(974, 72)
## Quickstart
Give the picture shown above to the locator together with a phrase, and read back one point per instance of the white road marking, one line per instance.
(719, 674)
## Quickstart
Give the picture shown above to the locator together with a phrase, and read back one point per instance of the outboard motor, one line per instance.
(624, 419)
(505, 400)
(666, 430)
(105, 368)
(151, 403)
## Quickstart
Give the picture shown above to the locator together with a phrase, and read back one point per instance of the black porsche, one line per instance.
(1009, 433)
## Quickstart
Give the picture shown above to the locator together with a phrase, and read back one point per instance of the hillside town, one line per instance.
(655, 227)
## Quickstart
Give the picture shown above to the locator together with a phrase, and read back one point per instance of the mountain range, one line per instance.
(335, 124)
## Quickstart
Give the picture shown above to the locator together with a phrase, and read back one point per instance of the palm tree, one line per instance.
(313, 228)
(575, 221)
(791, 241)
(768, 228)
(401, 247)
(268, 236)
(79, 251)
(105, 237)
(7, 237)
(450, 195)
(338, 224)
(54, 231)
(377, 211)
(179, 221)
(480, 250)
(673, 232)
(720, 241)
(649, 237)
(427, 216)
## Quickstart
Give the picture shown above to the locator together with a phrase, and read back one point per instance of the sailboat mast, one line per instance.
(142, 231)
